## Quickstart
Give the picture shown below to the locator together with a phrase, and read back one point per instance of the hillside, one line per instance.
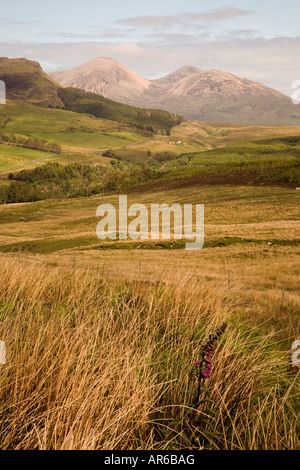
(273, 162)
(25, 80)
(211, 95)
(152, 120)
(83, 138)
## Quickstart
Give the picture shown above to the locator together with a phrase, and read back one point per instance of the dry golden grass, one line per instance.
(103, 358)
(54, 230)
(249, 212)
(97, 363)
(257, 276)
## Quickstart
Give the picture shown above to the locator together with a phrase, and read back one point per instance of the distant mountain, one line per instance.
(178, 75)
(211, 95)
(106, 77)
(25, 80)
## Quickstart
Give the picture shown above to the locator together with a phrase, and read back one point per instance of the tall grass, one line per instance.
(98, 364)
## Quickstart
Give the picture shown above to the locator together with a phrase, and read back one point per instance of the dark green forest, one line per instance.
(152, 120)
(54, 180)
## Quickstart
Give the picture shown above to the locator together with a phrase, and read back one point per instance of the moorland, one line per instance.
(103, 337)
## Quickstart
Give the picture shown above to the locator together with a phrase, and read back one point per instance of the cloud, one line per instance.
(271, 62)
(219, 14)
(239, 34)
(165, 38)
(97, 34)
(147, 20)
(211, 16)
(14, 22)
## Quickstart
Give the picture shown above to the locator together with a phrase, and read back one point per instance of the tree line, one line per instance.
(53, 180)
(152, 120)
(30, 143)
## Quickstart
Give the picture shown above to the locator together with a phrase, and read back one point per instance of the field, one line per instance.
(76, 133)
(101, 351)
(100, 364)
(13, 158)
(103, 338)
(83, 138)
(249, 231)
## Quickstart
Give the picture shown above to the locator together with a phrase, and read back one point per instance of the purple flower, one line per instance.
(196, 363)
(204, 375)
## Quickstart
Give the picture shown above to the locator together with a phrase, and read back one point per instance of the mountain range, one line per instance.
(205, 95)
(26, 81)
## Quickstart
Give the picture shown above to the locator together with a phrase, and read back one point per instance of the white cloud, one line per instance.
(96, 34)
(219, 14)
(15, 22)
(239, 34)
(147, 20)
(166, 39)
(272, 62)
(211, 16)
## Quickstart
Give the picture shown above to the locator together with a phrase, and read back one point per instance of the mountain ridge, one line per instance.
(98, 73)
(205, 95)
(26, 81)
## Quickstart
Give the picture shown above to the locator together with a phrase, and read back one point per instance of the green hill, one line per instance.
(153, 120)
(259, 163)
(25, 80)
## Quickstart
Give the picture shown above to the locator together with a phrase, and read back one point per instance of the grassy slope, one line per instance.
(12, 158)
(258, 162)
(244, 153)
(65, 127)
(83, 138)
(262, 110)
(199, 136)
(26, 80)
(254, 232)
(241, 212)
(156, 121)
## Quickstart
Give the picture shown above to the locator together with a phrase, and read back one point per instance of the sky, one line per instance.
(259, 40)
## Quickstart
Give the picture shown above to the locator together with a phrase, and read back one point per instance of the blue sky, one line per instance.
(255, 39)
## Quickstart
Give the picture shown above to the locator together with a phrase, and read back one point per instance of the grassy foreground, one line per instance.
(253, 232)
(94, 363)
